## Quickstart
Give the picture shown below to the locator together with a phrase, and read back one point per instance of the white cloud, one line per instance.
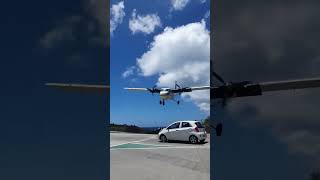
(117, 14)
(179, 4)
(181, 54)
(144, 23)
(203, 1)
(128, 72)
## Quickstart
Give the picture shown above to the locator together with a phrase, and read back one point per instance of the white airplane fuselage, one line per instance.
(166, 94)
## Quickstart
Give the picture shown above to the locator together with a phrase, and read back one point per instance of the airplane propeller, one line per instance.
(153, 89)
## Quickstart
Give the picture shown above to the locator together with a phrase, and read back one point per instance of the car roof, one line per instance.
(185, 121)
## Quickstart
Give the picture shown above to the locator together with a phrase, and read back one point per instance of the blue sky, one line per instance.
(140, 108)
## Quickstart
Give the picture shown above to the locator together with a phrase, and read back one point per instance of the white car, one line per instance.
(192, 131)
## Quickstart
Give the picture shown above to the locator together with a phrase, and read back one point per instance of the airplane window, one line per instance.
(186, 124)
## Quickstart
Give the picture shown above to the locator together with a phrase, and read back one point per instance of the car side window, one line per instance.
(174, 126)
(185, 124)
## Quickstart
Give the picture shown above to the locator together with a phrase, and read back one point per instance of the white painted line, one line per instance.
(133, 141)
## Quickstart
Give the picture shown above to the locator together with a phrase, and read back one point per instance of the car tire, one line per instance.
(202, 141)
(193, 139)
(163, 138)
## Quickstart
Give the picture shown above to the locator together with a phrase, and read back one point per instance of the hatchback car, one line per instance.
(192, 131)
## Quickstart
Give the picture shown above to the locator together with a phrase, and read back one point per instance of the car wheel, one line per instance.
(202, 141)
(163, 138)
(193, 139)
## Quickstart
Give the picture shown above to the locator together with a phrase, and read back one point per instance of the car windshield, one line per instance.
(199, 125)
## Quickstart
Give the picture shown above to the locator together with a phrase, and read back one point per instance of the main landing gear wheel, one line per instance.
(178, 102)
(163, 138)
(160, 102)
(193, 139)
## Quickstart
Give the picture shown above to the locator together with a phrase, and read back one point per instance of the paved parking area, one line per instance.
(143, 157)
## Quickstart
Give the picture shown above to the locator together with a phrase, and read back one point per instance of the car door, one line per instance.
(173, 130)
(184, 131)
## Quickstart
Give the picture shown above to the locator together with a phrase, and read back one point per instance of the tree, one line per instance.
(206, 124)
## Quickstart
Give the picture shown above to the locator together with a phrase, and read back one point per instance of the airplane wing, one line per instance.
(79, 87)
(244, 89)
(137, 89)
(152, 90)
(190, 89)
(292, 84)
(199, 88)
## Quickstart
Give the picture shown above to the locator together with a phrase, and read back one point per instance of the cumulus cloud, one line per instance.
(179, 4)
(62, 33)
(54, 37)
(181, 54)
(92, 22)
(128, 72)
(144, 23)
(117, 14)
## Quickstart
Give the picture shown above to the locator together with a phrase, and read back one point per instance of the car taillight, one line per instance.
(196, 129)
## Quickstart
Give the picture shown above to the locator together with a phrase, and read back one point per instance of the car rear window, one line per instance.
(186, 124)
(199, 125)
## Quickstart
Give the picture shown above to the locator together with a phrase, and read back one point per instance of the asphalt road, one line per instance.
(143, 157)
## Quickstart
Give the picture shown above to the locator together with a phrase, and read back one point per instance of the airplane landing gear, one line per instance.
(162, 102)
(178, 102)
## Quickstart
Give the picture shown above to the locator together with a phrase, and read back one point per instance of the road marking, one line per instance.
(146, 139)
(136, 146)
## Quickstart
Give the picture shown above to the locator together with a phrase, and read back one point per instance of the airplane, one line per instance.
(168, 93)
(222, 92)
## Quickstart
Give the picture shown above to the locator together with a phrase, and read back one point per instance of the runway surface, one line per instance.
(143, 157)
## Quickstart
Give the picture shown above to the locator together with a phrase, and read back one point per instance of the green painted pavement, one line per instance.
(136, 146)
